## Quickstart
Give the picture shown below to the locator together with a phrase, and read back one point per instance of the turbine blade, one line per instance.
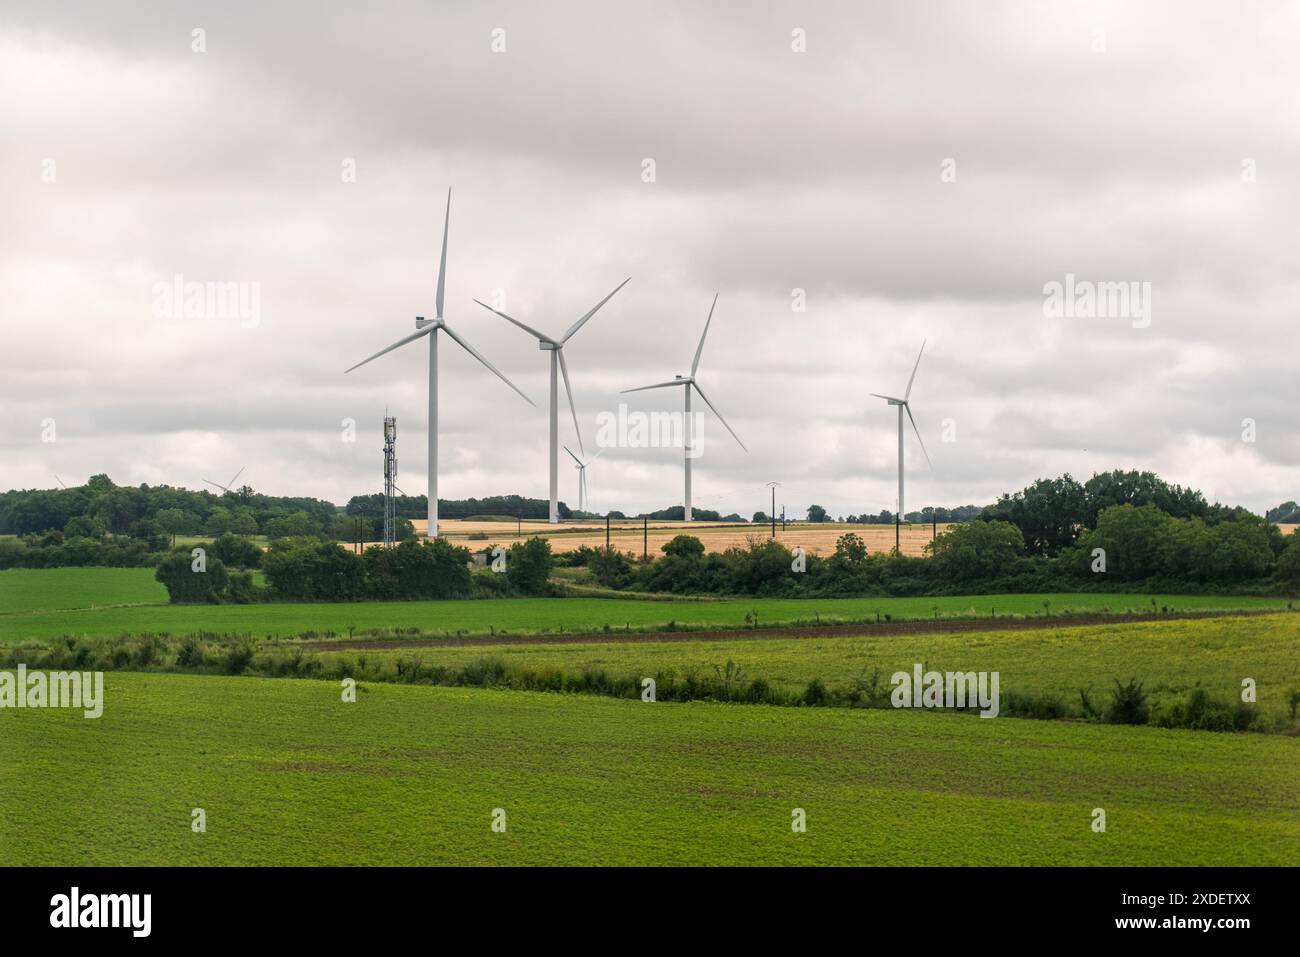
(908, 394)
(470, 349)
(540, 336)
(442, 266)
(572, 456)
(599, 451)
(657, 385)
(700, 348)
(918, 436)
(400, 342)
(578, 325)
(231, 484)
(568, 393)
(719, 415)
(889, 397)
(216, 485)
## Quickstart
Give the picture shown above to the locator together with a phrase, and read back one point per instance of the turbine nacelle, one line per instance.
(423, 323)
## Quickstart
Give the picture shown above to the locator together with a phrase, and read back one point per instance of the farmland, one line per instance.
(35, 606)
(627, 535)
(288, 774)
(1169, 657)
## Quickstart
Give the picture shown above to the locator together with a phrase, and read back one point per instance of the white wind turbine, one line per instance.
(902, 407)
(430, 328)
(690, 383)
(582, 476)
(556, 348)
(229, 486)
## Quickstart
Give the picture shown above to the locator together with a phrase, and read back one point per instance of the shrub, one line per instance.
(186, 585)
(239, 656)
(528, 566)
(1128, 704)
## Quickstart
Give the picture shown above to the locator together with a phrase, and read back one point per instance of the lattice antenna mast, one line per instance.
(390, 481)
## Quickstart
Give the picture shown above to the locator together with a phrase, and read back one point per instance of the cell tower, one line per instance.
(390, 480)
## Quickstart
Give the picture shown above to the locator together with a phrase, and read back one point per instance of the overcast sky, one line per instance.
(1129, 142)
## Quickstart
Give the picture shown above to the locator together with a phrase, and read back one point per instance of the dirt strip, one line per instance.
(941, 626)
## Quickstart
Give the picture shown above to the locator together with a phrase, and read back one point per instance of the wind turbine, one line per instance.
(690, 383)
(556, 348)
(430, 328)
(582, 476)
(903, 406)
(229, 486)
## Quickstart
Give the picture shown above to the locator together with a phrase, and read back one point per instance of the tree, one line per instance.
(176, 521)
(150, 532)
(83, 526)
(304, 569)
(1050, 514)
(185, 584)
(236, 551)
(1107, 489)
(816, 513)
(528, 566)
(684, 546)
(850, 548)
(1287, 570)
(218, 521)
(977, 551)
(760, 518)
(244, 522)
(1134, 539)
(295, 524)
(418, 569)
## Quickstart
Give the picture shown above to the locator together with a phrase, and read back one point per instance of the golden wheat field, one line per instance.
(628, 535)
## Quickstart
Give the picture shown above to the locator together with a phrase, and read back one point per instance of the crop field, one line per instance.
(627, 535)
(1168, 657)
(287, 773)
(34, 606)
(58, 589)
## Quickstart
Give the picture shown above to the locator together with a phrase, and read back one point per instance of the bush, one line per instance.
(239, 656)
(1202, 713)
(528, 566)
(236, 551)
(1128, 704)
(187, 585)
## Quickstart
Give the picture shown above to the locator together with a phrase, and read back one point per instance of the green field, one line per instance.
(55, 589)
(33, 605)
(288, 774)
(1169, 657)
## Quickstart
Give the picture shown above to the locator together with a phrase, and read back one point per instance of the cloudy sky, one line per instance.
(920, 170)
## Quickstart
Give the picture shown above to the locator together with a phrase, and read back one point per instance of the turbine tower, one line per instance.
(431, 328)
(690, 383)
(556, 348)
(903, 406)
(582, 476)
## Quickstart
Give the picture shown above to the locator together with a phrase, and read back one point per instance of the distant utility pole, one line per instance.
(783, 518)
(607, 531)
(645, 538)
(772, 486)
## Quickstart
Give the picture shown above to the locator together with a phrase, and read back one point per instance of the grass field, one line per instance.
(1169, 657)
(56, 589)
(288, 774)
(45, 604)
